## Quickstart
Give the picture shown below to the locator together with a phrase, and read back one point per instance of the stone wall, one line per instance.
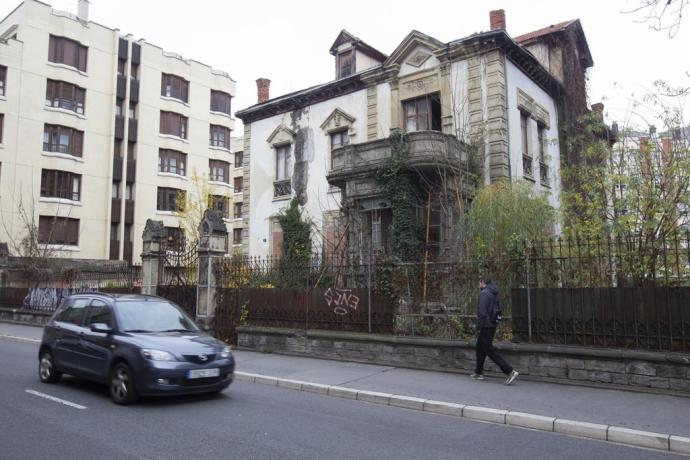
(630, 369)
(18, 316)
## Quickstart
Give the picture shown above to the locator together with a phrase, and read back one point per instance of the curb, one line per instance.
(619, 435)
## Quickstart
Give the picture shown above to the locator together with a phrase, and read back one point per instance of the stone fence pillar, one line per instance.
(213, 246)
(152, 255)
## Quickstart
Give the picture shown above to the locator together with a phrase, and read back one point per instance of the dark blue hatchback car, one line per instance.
(137, 344)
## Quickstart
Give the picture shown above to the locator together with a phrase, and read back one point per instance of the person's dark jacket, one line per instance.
(487, 297)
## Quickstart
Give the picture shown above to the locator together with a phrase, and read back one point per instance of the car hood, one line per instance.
(178, 342)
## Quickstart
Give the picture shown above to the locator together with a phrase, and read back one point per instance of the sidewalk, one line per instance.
(640, 411)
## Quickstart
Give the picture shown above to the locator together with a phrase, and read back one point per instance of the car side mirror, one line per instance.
(101, 328)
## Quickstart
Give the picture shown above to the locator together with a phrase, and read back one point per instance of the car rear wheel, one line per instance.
(46, 368)
(122, 385)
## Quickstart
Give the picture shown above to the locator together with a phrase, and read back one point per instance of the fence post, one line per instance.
(213, 245)
(151, 256)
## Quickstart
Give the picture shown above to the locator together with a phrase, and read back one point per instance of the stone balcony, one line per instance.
(354, 166)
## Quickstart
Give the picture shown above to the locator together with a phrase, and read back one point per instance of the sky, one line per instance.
(288, 41)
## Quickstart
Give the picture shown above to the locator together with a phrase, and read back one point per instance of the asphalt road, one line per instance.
(250, 421)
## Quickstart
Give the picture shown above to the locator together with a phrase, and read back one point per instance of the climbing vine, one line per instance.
(296, 243)
(395, 177)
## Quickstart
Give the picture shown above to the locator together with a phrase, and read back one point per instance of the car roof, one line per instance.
(120, 297)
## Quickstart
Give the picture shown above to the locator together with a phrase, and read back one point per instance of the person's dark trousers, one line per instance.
(485, 348)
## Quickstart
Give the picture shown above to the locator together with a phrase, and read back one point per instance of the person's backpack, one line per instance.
(496, 313)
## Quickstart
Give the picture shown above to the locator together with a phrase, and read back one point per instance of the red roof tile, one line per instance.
(545, 31)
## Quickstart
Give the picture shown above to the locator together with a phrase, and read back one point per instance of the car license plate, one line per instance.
(203, 373)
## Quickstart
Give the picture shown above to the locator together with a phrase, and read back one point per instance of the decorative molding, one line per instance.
(281, 135)
(527, 104)
(337, 120)
(418, 58)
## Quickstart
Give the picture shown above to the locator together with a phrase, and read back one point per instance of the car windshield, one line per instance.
(153, 317)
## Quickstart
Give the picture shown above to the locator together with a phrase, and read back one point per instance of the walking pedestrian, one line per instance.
(486, 328)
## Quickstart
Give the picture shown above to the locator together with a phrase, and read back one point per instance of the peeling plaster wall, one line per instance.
(311, 161)
(517, 79)
(459, 78)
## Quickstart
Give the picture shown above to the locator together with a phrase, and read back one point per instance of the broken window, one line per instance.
(423, 113)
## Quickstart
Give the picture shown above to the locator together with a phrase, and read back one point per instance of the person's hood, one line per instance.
(491, 287)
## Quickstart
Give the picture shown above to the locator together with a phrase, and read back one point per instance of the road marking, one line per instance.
(57, 400)
(18, 339)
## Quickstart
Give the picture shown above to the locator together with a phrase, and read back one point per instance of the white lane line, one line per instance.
(57, 400)
(18, 339)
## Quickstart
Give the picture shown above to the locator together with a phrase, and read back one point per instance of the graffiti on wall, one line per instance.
(49, 298)
(343, 300)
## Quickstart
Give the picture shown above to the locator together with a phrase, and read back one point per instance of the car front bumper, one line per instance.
(171, 378)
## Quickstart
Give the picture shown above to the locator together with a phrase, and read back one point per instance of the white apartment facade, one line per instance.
(101, 132)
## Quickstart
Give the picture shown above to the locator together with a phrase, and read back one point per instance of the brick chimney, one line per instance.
(497, 19)
(262, 89)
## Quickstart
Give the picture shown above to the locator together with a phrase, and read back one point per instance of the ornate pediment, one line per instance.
(337, 120)
(406, 50)
(281, 135)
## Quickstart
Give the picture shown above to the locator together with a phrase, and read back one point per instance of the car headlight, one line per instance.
(157, 355)
(225, 353)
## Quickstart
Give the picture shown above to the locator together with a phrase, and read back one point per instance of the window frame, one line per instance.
(237, 207)
(164, 162)
(341, 70)
(60, 184)
(59, 49)
(3, 80)
(236, 236)
(173, 124)
(221, 102)
(285, 150)
(168, 197)
(343, 135)
(220, 203)
(175, 87)
(58, 231)
(216, 167)
(214, 136)
(432, 116)
(55, 133)
(56, 96)
(239, 155)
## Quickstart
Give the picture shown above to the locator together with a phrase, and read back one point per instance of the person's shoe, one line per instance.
(511, 377)
(477, 377)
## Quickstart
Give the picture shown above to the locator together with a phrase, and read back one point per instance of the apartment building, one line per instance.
(100, 132)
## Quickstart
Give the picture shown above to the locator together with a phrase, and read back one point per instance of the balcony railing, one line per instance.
(427, 149)
(282, 188)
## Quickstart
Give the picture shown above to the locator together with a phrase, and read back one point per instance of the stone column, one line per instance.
(213, 246)
(152, 255)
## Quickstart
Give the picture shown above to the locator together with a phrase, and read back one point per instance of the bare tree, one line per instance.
(661, 15)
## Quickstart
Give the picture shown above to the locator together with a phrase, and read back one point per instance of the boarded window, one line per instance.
(173, 124)
(175, 87)
(220, 102)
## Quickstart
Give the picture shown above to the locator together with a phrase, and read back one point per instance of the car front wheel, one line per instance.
(46, 368)
(122, 385)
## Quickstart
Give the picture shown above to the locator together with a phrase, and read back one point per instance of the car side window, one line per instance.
(99, 312)
(75, 312)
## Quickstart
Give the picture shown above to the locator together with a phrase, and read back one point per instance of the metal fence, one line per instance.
(47, 293)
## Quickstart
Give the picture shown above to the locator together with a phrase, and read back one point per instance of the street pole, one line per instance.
(369, 283)
(529, 300)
